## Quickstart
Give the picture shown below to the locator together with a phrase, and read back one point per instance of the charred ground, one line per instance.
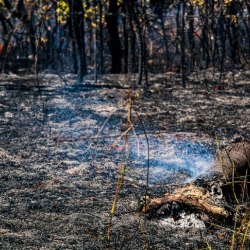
(58, 174)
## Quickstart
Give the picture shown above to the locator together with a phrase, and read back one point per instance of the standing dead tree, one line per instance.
(77, 35)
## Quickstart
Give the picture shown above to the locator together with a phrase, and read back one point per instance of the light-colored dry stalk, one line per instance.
(121, 176)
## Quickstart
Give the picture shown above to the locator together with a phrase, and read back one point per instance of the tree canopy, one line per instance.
(117, 36)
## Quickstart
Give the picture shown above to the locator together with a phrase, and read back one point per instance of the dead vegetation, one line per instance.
(58, 174)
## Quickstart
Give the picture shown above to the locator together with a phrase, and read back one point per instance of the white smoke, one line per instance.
(173, 157)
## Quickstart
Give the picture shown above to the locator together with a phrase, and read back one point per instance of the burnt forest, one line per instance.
(125, 124)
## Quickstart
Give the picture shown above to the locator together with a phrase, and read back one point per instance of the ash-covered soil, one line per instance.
(61, 153)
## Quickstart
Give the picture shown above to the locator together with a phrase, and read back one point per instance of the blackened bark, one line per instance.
(125, 50)
(234, 36)
(77, 32)
(131, 37)
(139, 33)
(100, 6)
(142, 50)
(183, 43)
(222, 39)
(191, 37)
(114, 41)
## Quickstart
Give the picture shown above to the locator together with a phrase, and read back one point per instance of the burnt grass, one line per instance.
(58, 171)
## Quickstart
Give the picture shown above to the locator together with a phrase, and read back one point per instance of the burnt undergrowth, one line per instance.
(59, 170)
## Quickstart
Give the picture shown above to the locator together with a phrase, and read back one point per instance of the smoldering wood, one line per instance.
(231, 163)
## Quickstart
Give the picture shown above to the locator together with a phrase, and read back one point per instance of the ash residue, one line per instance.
(58, 174)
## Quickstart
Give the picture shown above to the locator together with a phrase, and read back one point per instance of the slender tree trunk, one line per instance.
(234, 36)
(77, 30)
(100, 7)
(114, 41)
(221, 31)
(125, 45)
(74, 58)
(191, 37)
(177, 47)
(139, 33)
(165, 39)
(183, 44)
(131, 37)
(214, 23)
(205, 36)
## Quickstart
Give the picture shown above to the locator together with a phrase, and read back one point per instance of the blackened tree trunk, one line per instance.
(129, 46)
(246, 23)
(183, 43)
(139, 33)
(177, 20)
(125, 47)
(74, 58)
(114, 41)
(161, 7)
(142, 50)
(100, 7)
(214, 24)
(191, 37)
(77, 34)
(222, 38)
(234, 34)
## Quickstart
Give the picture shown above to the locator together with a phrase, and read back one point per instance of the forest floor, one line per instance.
(61, 153)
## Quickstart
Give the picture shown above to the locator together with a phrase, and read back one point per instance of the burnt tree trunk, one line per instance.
(191, 37)
(234, 37)
(222, 39)
(114, 41)
(101, 47)
(139, 33)
(129, 43)
(125, 47)
(183, 61)
(77, 34)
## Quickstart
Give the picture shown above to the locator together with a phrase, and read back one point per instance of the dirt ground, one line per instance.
(59, 169)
